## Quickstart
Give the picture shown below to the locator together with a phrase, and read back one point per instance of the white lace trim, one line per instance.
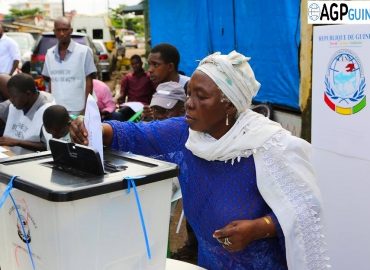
(307, 217)
(273, 141)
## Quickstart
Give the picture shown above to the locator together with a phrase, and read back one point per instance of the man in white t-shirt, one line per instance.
(23, 129)
(163, 63)
(70, 69)
(9, 54)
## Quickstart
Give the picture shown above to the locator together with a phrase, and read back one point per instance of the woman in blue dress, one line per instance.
(248, 187)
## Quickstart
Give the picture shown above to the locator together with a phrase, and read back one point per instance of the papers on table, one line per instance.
(135, 106)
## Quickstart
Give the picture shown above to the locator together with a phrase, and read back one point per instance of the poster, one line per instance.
(340, 89)
(341, 139)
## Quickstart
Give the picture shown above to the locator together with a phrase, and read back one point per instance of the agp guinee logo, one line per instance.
(345, 83)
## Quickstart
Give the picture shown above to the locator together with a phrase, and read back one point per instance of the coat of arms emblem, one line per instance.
(345, 83)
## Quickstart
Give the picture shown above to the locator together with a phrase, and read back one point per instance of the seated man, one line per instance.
(23, 129)
(168, 101)
(135, 86)
(164, 60)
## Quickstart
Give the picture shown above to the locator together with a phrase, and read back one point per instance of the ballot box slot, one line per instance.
(67, 169)
(113, 156)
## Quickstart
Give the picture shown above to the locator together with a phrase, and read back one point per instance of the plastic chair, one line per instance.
(264, 109)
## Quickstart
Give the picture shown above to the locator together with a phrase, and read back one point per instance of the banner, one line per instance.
(338, 12)
(341, 139)
(340, 89)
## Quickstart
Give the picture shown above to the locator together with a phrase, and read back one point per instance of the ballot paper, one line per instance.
(93, 125)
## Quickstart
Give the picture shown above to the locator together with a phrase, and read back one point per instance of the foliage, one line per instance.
(117, 22)
(116, 17)
(8, 17)
(16, 13)
(135, 24)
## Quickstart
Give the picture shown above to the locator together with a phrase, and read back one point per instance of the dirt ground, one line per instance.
(177, 240)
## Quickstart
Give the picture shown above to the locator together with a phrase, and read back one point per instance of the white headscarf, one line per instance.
(234, 76)
(236, 80)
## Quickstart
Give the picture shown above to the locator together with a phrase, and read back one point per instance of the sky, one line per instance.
(90, 7)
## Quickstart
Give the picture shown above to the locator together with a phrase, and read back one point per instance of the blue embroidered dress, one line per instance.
(214, 193)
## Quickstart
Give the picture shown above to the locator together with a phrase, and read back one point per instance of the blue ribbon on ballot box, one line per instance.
(3, 198)
(131, 183)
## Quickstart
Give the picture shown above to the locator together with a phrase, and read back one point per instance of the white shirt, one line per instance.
(9, 52)
(183, 80)
(68, 76)
(27, 126)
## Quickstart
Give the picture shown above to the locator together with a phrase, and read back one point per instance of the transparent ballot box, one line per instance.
(62, 218)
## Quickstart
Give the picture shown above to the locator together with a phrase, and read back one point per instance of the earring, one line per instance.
(227, 119)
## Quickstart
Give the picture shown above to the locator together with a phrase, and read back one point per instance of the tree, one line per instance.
(135, 24)
(16, 13)
(116, 17)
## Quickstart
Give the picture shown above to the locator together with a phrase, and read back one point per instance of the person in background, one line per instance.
(163, 63)
(104, 99)
(4, 94)
(23, 129)
(135, 86)
(248, 186)
(10, 54)
(4, 101)
(69, 68)
(168, 101)
(56, 122)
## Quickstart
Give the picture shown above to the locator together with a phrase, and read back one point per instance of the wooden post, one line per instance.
(146, 27)
(306, 73)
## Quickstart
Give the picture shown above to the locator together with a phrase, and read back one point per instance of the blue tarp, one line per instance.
(267, 31)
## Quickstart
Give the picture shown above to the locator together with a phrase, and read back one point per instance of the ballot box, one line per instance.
(63, 218)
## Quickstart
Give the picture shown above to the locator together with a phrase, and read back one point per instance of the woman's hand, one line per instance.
(78, 131)
(238, 234)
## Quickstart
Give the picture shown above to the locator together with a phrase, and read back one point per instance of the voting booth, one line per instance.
(59, 217)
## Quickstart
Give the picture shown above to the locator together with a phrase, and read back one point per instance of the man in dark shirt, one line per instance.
(135, 86)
